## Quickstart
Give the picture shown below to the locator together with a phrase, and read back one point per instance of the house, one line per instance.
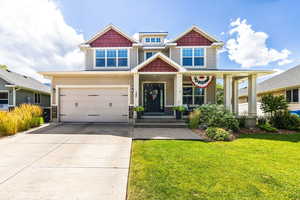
(286, 84)
(16, 89)
(158, 74)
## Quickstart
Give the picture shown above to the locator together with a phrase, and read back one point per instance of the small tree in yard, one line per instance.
(271, 104)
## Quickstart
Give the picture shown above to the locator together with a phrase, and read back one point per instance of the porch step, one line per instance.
(159, 123)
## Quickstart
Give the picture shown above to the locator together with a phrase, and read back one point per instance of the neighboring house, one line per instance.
(122, 73)
(286, 84)
(16, 89)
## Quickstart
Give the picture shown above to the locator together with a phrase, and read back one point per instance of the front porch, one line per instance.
(159, 92)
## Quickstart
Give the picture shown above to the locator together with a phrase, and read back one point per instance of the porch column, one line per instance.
(252, 102)
(136, 84)
(228, 92)
(178, 90)
(235, 88)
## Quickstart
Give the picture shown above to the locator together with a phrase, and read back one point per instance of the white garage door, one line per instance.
(94, 105)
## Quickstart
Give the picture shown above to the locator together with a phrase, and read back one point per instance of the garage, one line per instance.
(93, 104)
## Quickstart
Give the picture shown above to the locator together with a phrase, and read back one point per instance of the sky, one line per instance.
(43, 35)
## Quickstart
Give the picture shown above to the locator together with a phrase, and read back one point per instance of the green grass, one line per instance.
(251, 167)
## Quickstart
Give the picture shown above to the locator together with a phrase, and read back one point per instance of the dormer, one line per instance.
(152, 38)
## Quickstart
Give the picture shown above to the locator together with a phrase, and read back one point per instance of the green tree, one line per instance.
(271, 104)
(5, 67)
(220, 94)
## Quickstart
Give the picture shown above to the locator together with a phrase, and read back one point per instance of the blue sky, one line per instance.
(43, 35)
(276, 18)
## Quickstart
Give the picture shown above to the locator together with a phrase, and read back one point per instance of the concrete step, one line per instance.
(159, 120)
(160, 125)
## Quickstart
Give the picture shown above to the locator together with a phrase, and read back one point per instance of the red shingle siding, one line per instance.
(111, 39)
(193, 38)
(158, 65)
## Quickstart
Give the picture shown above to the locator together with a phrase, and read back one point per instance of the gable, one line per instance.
(111, 38)
(193, 38)
(158, 65)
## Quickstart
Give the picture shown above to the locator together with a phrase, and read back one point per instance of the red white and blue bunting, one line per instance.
(201, 81)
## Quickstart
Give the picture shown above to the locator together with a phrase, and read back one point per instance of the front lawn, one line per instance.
(251, 167)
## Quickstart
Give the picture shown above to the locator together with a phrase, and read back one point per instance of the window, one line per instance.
(193, 57)
(193, 95)
(37, 98)
(152, 40)
(292, 95)
(149, 54)
(4, 100)
(111, 58)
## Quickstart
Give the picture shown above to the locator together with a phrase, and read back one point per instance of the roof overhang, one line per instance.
(26, 88)
(164, 58)
(82, 73)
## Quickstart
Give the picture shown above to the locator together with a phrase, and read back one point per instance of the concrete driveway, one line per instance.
(71, 161)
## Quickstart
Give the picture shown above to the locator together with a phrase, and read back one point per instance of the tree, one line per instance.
(271, 104)
(220, 94)
(5, 67)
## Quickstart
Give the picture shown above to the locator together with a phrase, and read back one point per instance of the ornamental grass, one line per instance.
(21, 118)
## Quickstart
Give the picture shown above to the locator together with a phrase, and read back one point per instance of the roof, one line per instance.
(287, 79)
(107, 28)
(26, 82)
(164, 58)
(197, 29)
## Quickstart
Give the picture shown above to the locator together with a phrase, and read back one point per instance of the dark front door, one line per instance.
(154, 97)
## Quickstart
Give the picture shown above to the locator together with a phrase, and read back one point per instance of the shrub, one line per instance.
(242, 121)
(20, 119)
(218, 134)
(271, 104)
(194, 118)
(261, 121)
(179, 108)
(213, 115)
(268, 127)
(285, 120)
(139, 109)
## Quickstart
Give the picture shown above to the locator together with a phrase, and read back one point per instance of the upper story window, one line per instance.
(149, 54)
(292, 95)
(152, 39)
(193, 57)
(111, 58)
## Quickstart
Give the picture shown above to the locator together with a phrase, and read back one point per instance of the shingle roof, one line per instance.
(289, 78)
(13, 78)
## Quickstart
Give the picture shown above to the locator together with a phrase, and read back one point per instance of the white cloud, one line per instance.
(136, 36)
(35, 37)
(249, 48)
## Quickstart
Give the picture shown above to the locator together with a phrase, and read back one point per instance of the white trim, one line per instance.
(194, 47)
(197, 29)
(152, 51)
(14, 97)
(107, 28)
(165, 91)
(292, 94)
(158, 72)
(111, 67)
(164, 58)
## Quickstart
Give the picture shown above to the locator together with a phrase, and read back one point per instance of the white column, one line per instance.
(228, 92)
(252, 102)
(235, 101)
(178, 86)
(136, 89)
(14, 96)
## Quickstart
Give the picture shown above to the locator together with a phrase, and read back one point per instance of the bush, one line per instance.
(261, 121)
(139, 109)
(194, 118)
(21, 118)
(285, 120)
(268, 127)
(213, 115)
(242, 121)
(179, 108)
(218, 134)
